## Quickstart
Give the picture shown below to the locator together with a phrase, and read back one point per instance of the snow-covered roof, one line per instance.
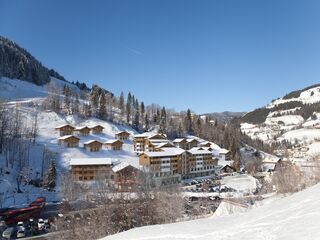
(224, 151)
(122, 132)
(199, 150)
(92, 141)
(90, 161)
(121, 166)
(95, 126)
(67, 136)
(179, 140)
(64, 125)
(166, 152)
(164, 144)
(81, 128)
(191, 140)
(112, 141)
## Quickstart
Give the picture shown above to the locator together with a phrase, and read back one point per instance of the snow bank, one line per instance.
(294, 218)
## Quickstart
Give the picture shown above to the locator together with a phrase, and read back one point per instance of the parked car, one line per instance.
(20, 225)
(8, 233)
(21, 233)
(41, 224)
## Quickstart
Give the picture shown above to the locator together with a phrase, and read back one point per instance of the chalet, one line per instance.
(191, 143)
(90, 169)
(126, 177)
(82, 131)
(226, 169)
(148, 142)
(200, 162)
(224, 154)
(93, 146)
(122, 136)
(115, 145)
(205, 144)
(97, 129)
(65, 130)
(180, 143)
(69, 141)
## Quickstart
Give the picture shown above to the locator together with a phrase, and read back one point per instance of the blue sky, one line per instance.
(205, 55)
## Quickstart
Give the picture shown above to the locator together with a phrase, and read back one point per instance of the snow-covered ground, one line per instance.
(294, 217)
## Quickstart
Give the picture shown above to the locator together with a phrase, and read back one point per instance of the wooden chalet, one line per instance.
(90, 169)
(122, 136)
(97, 129)
(93, 146)
(126, 177)
(69, 141)
(64, 130)
(82, 131)
(115, 145)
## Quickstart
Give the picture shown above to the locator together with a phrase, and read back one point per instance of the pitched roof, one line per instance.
(67, 136)
(166, 152)
(95, 126)
(121, 166)
(64, 125)
(81, 128)
(112, 141)
(191, 140)
(178, 140)
(224, 151)
(90, 161)
(91, 141)
(199, 150)
(123, 132)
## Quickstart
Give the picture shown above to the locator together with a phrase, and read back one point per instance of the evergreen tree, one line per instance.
(128, 107)
(146, 122)
(188, 122)
(163, 120)
(94, 99)
(66, 99)
(121, 103)
(50, 179)
(102, 109)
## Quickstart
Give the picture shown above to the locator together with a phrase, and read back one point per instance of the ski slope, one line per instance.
(295, 217)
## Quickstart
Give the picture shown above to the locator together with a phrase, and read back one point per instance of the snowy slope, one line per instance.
(293, 218)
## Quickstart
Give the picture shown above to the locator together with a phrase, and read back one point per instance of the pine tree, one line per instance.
(102, 109)
(94, 99)
(163, 120)
(76, 105)
(128, 107)
(146, 122)
(135, 123)
(121, 104)
(50, 179)
(188, 122)
(66, 99)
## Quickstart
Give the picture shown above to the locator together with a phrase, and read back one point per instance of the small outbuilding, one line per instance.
(82, 131)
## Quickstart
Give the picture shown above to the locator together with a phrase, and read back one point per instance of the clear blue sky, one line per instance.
(206, 55)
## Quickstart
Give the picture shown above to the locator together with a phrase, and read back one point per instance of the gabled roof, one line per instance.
(179, 140)
(189, 140)
(166, 152)
(121, 166)
(165, 144)
(113, 141)
(95, 126)
(67, 137)
(82, 128)
(199, 150)
(90, 161)
(123, 132)
(92, 141)
(65, 125)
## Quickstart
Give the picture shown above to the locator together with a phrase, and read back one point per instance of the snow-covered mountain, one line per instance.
(294, 118)
(293, 218)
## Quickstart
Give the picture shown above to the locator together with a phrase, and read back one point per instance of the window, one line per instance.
(91, 178)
